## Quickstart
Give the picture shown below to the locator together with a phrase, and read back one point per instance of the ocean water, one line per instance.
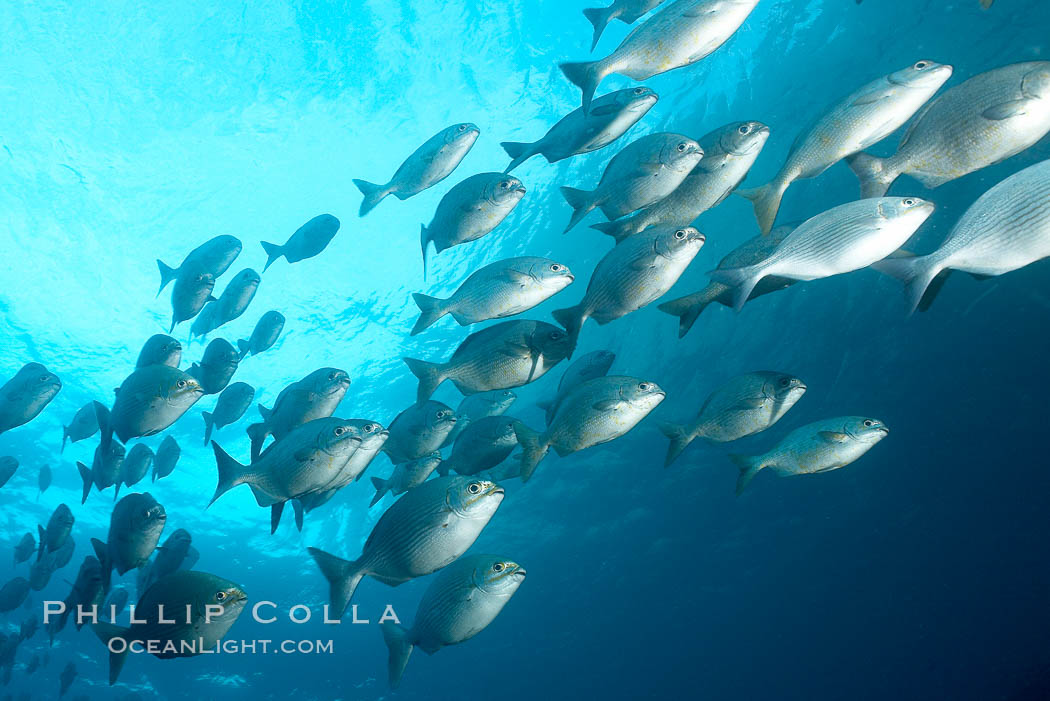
(136, 131)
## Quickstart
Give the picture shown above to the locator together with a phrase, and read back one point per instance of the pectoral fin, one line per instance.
(645, 262)
(750, 403)
(1005, 110)
(516, 350)
(604, 110)
(646, 170)
(833, 436)
(869, 99)
(608, 405)
(516, 278)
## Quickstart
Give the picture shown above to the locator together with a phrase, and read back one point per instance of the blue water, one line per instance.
(136, 131)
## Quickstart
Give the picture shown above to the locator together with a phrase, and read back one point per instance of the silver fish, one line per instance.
(633, 274)
(44, 478)
(581, 132)
(860, 120)
(729, 152)
(373, 437)
(138, 462)
(25, 395)
(13, 593)
(644, 172)
(59, 526)
(426, 167)
(587, 367)
(25, 548)
(230, 305)
(166, 458)
(471, 209)
(478, 406)
(230, 407)
(505, 355)
(627, 11)
(596, 412)
(680, 34)
(405, 476)
(817, 447)
(427, 528)
(176, 550)
(309, 240)
(160, 349)
(118, 597)
(189, 295)
(842, 239)
(266, 332)
(84, 425)
(1007, 228)
(495, 291)
(214, 257)
(217, 367)
(419, 430)
(481, 446)
(316, 396)
(743, 406)
(134, 529)
(86, 591)
(8, 466)
(985, 120)
(148, 401)
(461, 602)
(105, 467)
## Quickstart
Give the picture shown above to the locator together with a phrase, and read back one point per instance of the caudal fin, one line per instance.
(680, 437)
(585, 75)
(85, 476)
(273, 252)
(231, 472)
(343, 577)
(749, 467)
(373, 193)
(65, 436)
(534, 449)
(519, 152)
(766, 202)
(915, 274)
(572, 319)
(600, 18)
(107, 632)
(618, 229)
(875, 179)
(741, 280)
(245, 347)
(396, 639)
(257, 434)
(430, 310)
(102, 553)
(581, 201)
(167, 274)
(42, 544)
(430, 376)
(209, 424)
(382, 487)
(687, 309)
(424, 239)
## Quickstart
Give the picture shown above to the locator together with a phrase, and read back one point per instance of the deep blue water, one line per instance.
(134, 132)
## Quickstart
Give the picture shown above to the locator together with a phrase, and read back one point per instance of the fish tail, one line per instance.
(766, 202)
(244, 346)
(741, 280)
(273, 252)
(105, 429)
(916, 274)
(443, 467)
(382, 487)
(875, 178)
(65, 436)
(680, 437)
(400, 647)
(687, 309)
(257, 434)
(534, 449)
(373, 193)
(275, 516)
(343, 577)
(167, 274)
(519, 153)
(749, 466)
(600, 18)
(618, 229)
(40, 548)
(430, 376)
(586, 75)
(430, 310)
(85, 476)
(107, 632)
(209, 424)
(231, 472)
(102, 553)
(581, 201)
(572, 319)
(116, 490)
(424, 239)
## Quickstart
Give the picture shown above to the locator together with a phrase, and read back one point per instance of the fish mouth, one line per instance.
(518, 188)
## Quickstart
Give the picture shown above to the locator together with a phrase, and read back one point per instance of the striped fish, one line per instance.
(482, 445)
(587, 367)
(419, 430)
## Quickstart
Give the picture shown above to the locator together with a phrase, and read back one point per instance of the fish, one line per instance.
(862, 119)
(428, 165)
(627, 11)
(729, 153)
(8, 467)
(419, 430)
(580, 132)
(13, 593)
(66, 678)
(118, 597)
(27, 630)
(502, 356)
(596, 412)
(160, 349)
(632, 275)
(476, 406)
(266, 332)
(135, 526)
(189, 295)
(229, 408)
(40, 573)
(213, 257)
(25, 395)
(427, 528)
(848, 237)
(645, 171)
(25, 548)
(34, 662)
(471, 209)
(496, 291)
(86, 591)
(405, 476)
(316, 396)
(309, 240)
(230, 305)
(175, 551)
(752, 251)
(201, 592)
(305, 460)
(106, 467)
(587, 367)
(217, 367)
(678, 35)
(166, 458)
(1007, 228)
(462, 601)
(978, 123)
(84, 425)
(44, 478)
(59, 526)
(821, 446)
(148, 401)
(138, 462)
(743, 406)
(482, 445)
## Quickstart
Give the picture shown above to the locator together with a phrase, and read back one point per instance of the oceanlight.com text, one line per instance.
(120, 645)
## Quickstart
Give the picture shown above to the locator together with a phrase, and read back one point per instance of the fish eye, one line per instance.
(339, 430)
(370, 428)
(921, 65)
(498, 567)
(869, 423)
(639, 91)
(680, 234)
(645, 386)
(784, 382)
(681, 147)
(462, 127)
(181, 384)
(908, 201)
(744, 129)
(220, 596)
(331, 376)
(43, 378)
(555, 335)
(555, 268)
(474, 488)
(504, 184)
